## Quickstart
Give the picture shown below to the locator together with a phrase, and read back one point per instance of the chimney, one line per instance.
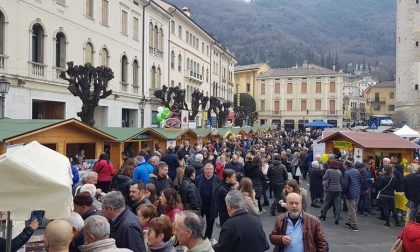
(334, 67)
(305, 64)
(187, 11)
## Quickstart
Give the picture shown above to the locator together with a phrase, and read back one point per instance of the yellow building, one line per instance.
(354, 108)
(381, 98)
(246, 77)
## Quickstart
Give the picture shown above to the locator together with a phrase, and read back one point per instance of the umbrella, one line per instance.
(318, 124)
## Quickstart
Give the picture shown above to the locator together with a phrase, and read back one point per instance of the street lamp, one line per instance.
(142, 104)
(4, 89)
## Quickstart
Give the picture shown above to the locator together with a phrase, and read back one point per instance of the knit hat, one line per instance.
(83, 199)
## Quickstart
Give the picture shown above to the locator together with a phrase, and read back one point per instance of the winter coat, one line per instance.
(315, 184)
(127, 232)
(190, 196)
(160, 183)
(105, 170)
(412, 188)
(234, 237)
(92, 211)
(220, 167)
(313, 236)
(257, 176)
(251, 204)
(171, 213)
(386, 185)
(164, 247)
(75, 173)
(204, 246)
(142, 172)
(222, 190)
(105, 245)
(237, 167)
(277, 173)
(18, 241)
(332, 180)
(199, 168)
(411, 237)
(216, 182)
(171, 159)
(295, 164)
(352, 183)
(121, 183)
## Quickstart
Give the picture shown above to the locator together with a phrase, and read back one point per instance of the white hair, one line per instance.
(89, 188)
(317, 156)
(315, 164)
(98, 226)
(199, 157)
(75, 221)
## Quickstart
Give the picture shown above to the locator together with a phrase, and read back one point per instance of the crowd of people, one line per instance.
(170, 200)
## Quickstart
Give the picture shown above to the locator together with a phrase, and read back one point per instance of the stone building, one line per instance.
(246, 77)
(381, 98)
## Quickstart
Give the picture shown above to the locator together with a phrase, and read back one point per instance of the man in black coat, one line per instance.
(229, 179)
(207, 184)
(171, 159)
(125, 226)
(412, 192)
(242, 231)
(188, 191)
(277, 174)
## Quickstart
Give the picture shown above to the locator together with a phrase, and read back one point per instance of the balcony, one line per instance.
(57, 74)
(3, 61)
(155, 52)
(195, 77)
(37, 69)
(377, 100)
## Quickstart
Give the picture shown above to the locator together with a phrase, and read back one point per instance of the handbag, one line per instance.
(379, 193)
(298, 173)
(398, 246)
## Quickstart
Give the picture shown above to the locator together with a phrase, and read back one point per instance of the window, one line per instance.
(89, 53)
(104, 57)
(262, 105)
(262, 89)
(318, 87)
(277, 88)
(180, 31)
(156, 37)
(60, 50)
(124, 63)
(416, 87)
(332, 87)
(376, 107)
(202, 47)
(391, 95)
(135, 28)
(248, 87)
(105, 11)
(208, 51)
(289, 88)
(376, 97)
(391, 107)
(158, 77)
(172, 60)
(89, 8)
(151, 34)
(160, 40)
(124, 21)
(153, 77)
(135, 73)
(172, 26)
(37, 43)
(289, 105)
(2, 33)
(187, 37)
(304, 88)
(276, 107)
(207, 75)
(317, 105)
(417, 44)
(332, 107)
(303, 106)
(179, 63)
(188, 63)
(172, 83)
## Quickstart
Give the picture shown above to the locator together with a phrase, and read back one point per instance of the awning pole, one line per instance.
(8, 233)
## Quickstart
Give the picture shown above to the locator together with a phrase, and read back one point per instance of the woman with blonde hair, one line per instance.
(245, 187)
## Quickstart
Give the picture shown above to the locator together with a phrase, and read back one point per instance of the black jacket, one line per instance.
(277, 173)
(386, 186)
(287, 164)
(171, 159)
(412, 188)
(257, 176)
(234, 237)
(189, 195)
(160, 184)
(222, 191)
(127, 232)
(92, 211)
(216, 182)
(199, 168)
(18, 241)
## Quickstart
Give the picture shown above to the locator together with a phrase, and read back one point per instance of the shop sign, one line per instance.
(343, 145)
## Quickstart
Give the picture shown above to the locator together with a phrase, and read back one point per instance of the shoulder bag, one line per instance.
(379, 193)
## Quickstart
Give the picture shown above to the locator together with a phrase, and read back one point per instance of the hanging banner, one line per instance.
(343, 145)
(184, 119)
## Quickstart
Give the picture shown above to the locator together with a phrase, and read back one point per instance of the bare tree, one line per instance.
(90, 85)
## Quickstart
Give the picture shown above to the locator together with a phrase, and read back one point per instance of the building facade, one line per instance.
(407, 106)
(246, 77)
(133, 38)
(292, 96)
(381, 98)
(355, 112)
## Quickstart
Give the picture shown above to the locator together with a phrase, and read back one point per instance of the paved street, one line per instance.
(372, 237)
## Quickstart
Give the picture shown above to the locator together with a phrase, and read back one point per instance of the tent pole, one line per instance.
(8, 233)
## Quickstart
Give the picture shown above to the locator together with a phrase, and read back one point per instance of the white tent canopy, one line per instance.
(406, 132)
(35, 178)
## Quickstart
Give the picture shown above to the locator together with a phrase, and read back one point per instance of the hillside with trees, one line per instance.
(285, 32)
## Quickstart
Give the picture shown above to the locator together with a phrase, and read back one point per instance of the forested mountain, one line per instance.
(284, 32)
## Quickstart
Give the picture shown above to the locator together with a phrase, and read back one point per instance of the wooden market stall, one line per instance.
(63, 136)
(203, 135)
(166, 137)
(369, 144)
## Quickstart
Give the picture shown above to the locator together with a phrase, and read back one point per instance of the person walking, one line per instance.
(229, 180)
(277, 174)
(315, 184)
(332, 182)
(352, 186)
(386, 186)
(188, 191)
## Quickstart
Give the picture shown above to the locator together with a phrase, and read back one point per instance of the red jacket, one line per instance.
(171, 213)
(411, 237)
(105, 170)
(219, 169)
